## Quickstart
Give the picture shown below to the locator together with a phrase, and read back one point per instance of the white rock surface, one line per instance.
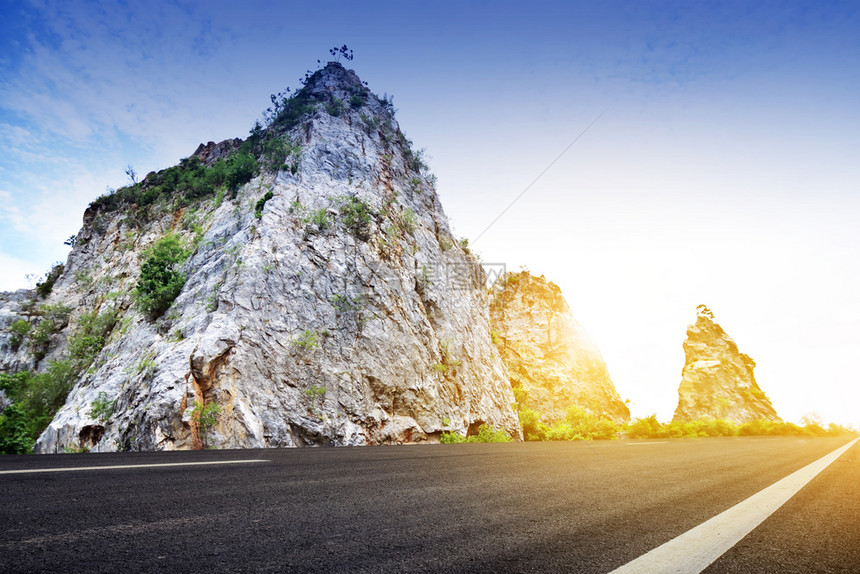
(402, 344)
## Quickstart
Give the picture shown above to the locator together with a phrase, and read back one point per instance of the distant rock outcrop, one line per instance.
(717, 380)
(552, 362)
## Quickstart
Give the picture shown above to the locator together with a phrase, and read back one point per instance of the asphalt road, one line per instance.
(817, 530)
(533, 507)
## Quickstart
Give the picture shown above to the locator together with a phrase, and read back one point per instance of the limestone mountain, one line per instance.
(552, 361)
(717, 380)
(304, 280)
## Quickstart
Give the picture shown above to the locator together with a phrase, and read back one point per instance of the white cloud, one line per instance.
(13, 270)
(132, 71)
(15, 135)
(54, 204)
(10, 214)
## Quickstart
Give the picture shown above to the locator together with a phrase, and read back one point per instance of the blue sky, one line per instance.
(724, 169)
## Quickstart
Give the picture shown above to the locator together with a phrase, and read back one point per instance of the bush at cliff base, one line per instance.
(486, 433)
(580, 424)
(650, 427)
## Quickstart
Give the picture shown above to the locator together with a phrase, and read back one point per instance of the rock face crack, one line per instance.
(204, 368)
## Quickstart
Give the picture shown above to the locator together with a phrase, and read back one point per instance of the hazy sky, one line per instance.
(724, 169)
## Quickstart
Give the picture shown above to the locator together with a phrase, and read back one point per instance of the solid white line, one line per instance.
(641, 443)
(696, 549)
(76, 468)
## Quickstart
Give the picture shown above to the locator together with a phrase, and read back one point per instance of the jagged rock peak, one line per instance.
(552, 361)
(316, 306)
(210, 152)
(718, 380)
(335, 80)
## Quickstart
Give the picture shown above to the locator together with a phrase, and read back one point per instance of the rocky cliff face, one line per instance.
(325, 301)
(552, 361)
(717, 380)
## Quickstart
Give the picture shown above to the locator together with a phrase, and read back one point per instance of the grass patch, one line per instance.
(102, 408)
(335, 107)
(306, 340)
(53, 319)
(280, 154)
(19, 331)
(318, 219)
(315, 394)
(90, 337)
(261, 203)
(206, 418)
(46, 285)
(408, 220)
(486, 433)
(356, 215)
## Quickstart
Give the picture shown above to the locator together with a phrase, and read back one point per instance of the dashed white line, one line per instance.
(123, 466)
(696, 549)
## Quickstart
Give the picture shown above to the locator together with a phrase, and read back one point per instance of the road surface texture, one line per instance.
(818, 530)
(516, 507)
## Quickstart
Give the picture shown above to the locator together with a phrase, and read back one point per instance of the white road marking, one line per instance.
(159, 465)
(696, 549)
(641, 443)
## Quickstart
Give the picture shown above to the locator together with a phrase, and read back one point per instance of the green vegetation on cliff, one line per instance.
(181, 185)
(36, 397)
(161, 281)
